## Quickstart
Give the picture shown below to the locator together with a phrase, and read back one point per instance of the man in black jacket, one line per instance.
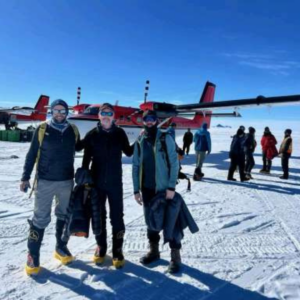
(52, 149)
(187, 141)
(103, 146)
(249, 148)
(237, 156)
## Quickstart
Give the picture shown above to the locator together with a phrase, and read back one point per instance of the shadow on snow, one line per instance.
(136, 281)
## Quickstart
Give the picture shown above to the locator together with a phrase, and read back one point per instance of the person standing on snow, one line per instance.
(269, 151)
(285, 152)
(103, 147)
(202, 142)
(249, 148)
(187, 141)
(237, 156)
(54, 153)
(152, 173)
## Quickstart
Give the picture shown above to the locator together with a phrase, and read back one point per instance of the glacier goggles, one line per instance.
(59, 111)
(106, 113)
(150, 118)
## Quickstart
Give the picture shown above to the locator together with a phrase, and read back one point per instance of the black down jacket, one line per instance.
(83, 207)
(171, 216)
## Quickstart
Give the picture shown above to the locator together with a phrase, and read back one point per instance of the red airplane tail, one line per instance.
(207, 96)
(40, 109)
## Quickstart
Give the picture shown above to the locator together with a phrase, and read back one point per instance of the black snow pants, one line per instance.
(267, 163)
(186, 148)
(250, 162)
(237, 160)
(285, 164)
(115, 201)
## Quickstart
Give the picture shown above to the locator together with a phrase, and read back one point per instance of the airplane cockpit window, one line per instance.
(121, 118)
(139, 119)
(128, 118)
(91, 111)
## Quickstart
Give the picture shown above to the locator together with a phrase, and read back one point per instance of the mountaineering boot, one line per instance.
(61, 252)
(35, 238)
(175, 263)
(198, 174)
(118, 259)
(231, 179)
(99, 255)
(248, 176)
(284, 177)
(244, 178)
(152, 255)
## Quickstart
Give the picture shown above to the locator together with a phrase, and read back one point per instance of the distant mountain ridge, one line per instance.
(222, 126)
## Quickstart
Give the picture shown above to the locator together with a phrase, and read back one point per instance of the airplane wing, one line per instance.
(236, 104)
(26, 111)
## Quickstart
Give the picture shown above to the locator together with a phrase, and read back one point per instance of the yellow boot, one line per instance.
(99, 256)
(63, 254)
(32, 266)
(118, 263)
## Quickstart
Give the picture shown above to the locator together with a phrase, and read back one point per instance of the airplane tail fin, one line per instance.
(40, 109)
(207, 96)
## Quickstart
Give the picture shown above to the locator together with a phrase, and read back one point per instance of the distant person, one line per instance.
(237, 156)
(187, 141)
(269, 151)
(53, 150)
(171, 130)
(285, 152)
(249, 148)
(202, 142)
(242, 127)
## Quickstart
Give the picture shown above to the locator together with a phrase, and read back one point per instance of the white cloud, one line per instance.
(268, 62)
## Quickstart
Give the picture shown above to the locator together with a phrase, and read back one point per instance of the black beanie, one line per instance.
(60, 102)
(251, 130)
(288, 131)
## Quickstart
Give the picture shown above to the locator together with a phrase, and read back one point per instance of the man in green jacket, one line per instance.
(155, 169)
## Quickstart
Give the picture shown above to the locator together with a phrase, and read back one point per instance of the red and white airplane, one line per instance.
(25, 115)
(185, 116)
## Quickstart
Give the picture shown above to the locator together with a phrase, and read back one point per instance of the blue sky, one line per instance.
(110, 47)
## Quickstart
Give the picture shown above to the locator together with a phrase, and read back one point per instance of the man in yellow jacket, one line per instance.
(285, 152)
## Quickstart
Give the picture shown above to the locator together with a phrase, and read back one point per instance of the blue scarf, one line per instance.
(59, 126)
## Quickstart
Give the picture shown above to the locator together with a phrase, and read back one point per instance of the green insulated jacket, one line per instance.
(165, 177)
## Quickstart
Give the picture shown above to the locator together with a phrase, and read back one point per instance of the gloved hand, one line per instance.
(24, 186)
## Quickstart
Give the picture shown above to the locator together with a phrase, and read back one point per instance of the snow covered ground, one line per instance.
(248, 246)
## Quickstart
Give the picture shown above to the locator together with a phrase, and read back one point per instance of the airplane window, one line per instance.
(121, 118)
(92, 111)
(139, 119)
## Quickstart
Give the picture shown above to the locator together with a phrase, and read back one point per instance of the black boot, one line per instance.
(117, 250)
(152, 255)
(62, 252)
(175, 263)
(198, 174)
(34, 244)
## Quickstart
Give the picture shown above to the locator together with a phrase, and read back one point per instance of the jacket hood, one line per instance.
(204, 126)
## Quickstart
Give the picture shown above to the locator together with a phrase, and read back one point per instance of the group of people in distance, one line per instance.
(155, 170)
(243, 146)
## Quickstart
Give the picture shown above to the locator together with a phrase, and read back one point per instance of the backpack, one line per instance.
(181, 175)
